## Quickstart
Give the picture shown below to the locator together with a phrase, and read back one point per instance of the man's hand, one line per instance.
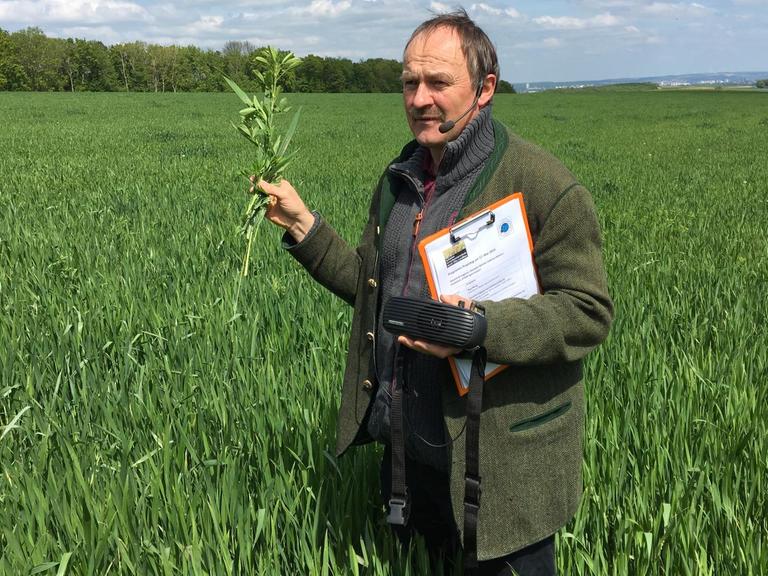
(286, 208)
(439, 350)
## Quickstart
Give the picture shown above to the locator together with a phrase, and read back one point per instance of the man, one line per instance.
(460, 161)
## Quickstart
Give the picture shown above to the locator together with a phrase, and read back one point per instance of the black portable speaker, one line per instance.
(434, 322)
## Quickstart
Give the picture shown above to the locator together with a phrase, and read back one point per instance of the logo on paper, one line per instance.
(455, 254)
(505, 228)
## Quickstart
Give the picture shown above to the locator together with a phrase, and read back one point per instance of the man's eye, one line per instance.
(410, 84)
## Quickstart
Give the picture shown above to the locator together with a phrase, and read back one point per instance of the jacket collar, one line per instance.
(461, 157)
(411, 157)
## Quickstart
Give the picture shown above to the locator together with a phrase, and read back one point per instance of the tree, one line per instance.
(68, 64)
(310, 75)
(237, 61)
(29, 60)
(162, 67)
(12, 75)
(338, 74)
(40, 57)
(379, 75)
(504, 87)
(762, 83)
(131, 64)
(91, 67)
(199, 70)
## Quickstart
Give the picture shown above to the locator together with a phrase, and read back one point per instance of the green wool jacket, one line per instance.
(532, 418)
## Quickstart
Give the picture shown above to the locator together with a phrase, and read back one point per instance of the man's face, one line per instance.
(436, 87)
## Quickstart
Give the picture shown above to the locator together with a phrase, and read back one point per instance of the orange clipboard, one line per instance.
(486, 218)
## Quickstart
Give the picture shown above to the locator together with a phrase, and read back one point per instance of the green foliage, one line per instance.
(504, 87)
(258, 126)
(38, 56)
(762, 83)
(31, 61)
(148, 430)
(12, 75)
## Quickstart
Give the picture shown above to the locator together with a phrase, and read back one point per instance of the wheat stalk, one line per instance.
(257, 125)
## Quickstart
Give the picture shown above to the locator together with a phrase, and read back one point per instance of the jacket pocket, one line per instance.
(540, 419)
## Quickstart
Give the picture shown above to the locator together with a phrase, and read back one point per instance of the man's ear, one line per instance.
(489, 87)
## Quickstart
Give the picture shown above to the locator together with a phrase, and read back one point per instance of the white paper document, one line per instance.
(487, 256)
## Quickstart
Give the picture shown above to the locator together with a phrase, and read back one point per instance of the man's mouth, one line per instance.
(425, 116)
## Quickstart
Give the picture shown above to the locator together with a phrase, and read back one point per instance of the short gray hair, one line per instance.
(475, 44)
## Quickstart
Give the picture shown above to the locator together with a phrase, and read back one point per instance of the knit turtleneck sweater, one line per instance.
(402, 274)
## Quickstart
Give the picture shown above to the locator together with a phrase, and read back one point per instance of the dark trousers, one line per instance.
(432, 517)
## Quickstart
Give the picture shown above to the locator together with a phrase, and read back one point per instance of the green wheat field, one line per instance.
(149, 425)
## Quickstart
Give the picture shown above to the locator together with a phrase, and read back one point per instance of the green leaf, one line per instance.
(289, 133)
(237, 90)
(256, 103)
(259, 523)
(648, 542)
(40, 568)
(243, 130)
(12, 424)
(64, 563)
(259, 122)
(665, 510)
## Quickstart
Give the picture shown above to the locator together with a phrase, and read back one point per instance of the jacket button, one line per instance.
(367, 385)
(369, 336)
(372, 283)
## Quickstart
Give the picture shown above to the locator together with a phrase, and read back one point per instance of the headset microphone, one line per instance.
(449, 124)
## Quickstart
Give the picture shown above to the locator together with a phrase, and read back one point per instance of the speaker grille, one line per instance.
(434, 321)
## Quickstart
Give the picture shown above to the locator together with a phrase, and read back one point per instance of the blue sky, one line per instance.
(536, 41)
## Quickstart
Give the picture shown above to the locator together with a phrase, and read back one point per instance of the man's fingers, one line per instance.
(266, 186)
(428, 347)
(263, 186)
(456, 300)
(272, 189)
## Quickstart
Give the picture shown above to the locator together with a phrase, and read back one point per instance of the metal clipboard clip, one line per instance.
(486, 218)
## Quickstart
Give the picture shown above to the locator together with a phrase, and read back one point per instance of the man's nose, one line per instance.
(422, 96)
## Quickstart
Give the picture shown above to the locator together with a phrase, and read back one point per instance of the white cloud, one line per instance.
(205, 24)
(487, 9)
(494, 11)
(327, 7)
(439, 7)
(105, 34)
(82, 12)
(602, 4)
(551, 43)
(572, 23)
(677, 9)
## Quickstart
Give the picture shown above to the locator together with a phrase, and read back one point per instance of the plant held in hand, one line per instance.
(257, 125)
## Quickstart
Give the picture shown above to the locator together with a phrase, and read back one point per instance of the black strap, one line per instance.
(472, 487)
(399, 506)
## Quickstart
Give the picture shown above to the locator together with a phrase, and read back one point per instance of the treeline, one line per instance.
(29, 60)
